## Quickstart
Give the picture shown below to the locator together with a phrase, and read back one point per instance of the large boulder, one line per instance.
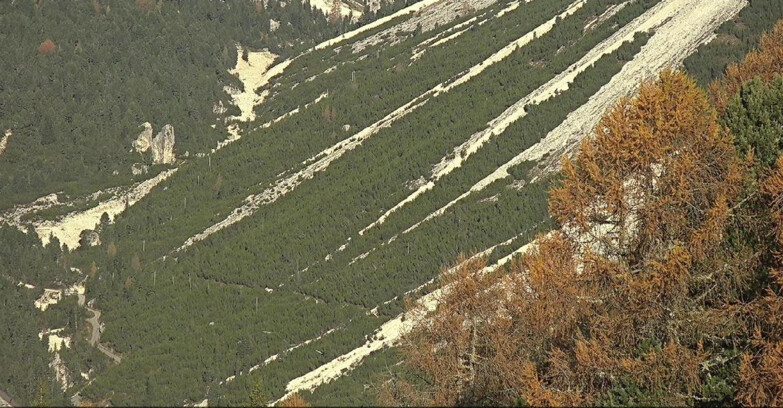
(89, 238)
(139, 168)
(163, 146)
(4, 140)
(144, 141)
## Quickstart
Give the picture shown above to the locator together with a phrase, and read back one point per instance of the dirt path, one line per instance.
(95, 335)
(94, 321)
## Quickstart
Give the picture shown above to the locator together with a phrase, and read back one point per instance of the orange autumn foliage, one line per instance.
(293, 401)
(760, 380)
(47, 47)
(618, 291)
(761, 371)
(766, 63)
(666, 271)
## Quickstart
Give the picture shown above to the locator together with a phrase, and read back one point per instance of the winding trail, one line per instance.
(95, 335)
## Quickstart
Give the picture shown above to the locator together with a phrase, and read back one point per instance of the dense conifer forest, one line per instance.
(371, 155)
(83, 76)
(665, 294)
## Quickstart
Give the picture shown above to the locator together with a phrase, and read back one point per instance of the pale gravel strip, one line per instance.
(485, 252)
(511, 7)
(680, 27)
(68, 228)
(441, 13)
(323, 159)
(450, 33)
(253, 73)
(609, 13)
(325, 94)
(276, 356)
(392, 331)
(287, 184)
(389, 334)
(377, 23)
(325, 6)
(515, 112)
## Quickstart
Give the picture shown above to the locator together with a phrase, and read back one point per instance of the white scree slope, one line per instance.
(680, 27)
(706, 16)
(323, 159)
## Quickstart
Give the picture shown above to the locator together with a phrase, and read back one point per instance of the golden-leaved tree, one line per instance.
(749, 97)
(663, 283)
(761, 372)
(766, 63)
(629, 292)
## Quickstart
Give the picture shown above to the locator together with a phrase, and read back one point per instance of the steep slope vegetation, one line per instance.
(659, 285)
(74, 100)
(288, 244)
(375, 158)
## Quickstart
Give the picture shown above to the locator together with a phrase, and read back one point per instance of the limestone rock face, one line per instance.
(139, 168)
(218, 108)
(163, 146)
(4, 140)
(89, 238)
(144, 141)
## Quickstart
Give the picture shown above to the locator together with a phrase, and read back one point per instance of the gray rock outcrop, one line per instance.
(89, 238)
(144, 141)
(139, 168)
(163, 146)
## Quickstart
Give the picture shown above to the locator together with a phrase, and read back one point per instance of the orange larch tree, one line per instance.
(47, 47)
(624, 293)
(766, 63)
(761, 371)
(754, 85)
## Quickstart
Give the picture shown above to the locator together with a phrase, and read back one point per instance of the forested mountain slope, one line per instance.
(661, 283)
(275, 256)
